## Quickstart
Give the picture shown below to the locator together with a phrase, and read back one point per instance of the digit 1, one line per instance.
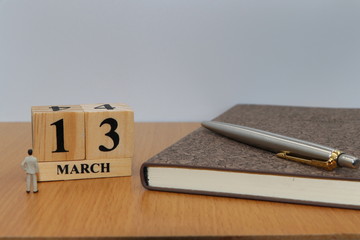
(59, 136)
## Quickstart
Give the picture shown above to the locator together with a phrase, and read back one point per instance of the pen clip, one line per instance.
(329, 164)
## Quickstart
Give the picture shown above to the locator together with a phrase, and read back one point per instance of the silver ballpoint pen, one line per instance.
(286, 147)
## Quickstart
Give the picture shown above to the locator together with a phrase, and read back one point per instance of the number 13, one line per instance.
(111, 134)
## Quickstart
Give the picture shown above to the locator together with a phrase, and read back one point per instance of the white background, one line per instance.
(174, 60)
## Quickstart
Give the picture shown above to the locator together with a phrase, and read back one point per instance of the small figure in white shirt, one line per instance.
(31, 167)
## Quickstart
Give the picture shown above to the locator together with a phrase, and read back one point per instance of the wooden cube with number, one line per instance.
(109, 131)
(58, 133)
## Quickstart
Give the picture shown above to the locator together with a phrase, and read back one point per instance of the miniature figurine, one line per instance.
(30, 166)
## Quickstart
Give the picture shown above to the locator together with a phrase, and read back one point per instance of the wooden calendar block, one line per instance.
(109, 131)
(83, 169)
(58, 133)
(83, 141)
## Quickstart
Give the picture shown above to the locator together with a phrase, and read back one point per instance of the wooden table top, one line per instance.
(121, 207)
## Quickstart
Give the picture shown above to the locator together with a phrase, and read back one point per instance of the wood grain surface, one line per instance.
(121, 207)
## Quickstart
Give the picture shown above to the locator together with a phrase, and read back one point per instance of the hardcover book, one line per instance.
(206, 163)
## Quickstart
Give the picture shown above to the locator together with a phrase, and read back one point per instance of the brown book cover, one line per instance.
(206, 150)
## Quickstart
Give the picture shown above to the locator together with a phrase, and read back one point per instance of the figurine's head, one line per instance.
(30, 151)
